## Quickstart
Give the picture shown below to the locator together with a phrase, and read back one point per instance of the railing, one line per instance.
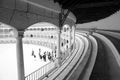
(41, 72)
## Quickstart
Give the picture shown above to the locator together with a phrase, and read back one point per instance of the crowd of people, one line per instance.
(46, 55)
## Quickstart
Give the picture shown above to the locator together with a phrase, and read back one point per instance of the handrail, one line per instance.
(81, 63)
(41, 72)
(65, 63)
(54, 75)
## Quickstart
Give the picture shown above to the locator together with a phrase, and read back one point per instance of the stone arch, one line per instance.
(37, 30)
(45, 24)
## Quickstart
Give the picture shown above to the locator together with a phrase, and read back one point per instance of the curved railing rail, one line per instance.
(41, 72)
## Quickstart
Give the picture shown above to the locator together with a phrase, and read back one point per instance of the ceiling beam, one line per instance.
(100, 4)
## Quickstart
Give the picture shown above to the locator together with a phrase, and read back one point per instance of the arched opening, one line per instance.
(41, 48)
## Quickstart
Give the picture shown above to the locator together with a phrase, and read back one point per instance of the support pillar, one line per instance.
(20, 59)
(58, 60)
(62, 18)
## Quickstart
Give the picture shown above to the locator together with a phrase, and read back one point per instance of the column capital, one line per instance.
(20, 33)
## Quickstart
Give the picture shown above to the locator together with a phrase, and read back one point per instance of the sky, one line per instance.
(112, 22)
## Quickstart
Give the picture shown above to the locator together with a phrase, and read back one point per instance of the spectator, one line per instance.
(49, 56)
(33, 54)
(44, 56)
(40, 54)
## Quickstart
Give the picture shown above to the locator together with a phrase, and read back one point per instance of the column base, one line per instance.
(58, 62)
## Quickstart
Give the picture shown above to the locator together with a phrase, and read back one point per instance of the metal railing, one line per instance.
(41, 72)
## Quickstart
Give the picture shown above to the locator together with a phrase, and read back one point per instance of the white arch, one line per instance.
(44, 35)
(43, 25)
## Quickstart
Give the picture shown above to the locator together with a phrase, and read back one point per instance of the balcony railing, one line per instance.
(41, 72)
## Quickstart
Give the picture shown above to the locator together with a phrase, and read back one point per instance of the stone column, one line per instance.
(20, 59)
(58, 60)
(62, 18)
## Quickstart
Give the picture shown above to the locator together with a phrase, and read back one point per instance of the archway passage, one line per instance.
(42, 32)
(8, 41)
(44, 38)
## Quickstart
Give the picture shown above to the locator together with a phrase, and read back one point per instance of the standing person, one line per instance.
(39, 50)
(49, 56)
(44, 56)
(55, 53)
(40, 54)
(32, 52)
